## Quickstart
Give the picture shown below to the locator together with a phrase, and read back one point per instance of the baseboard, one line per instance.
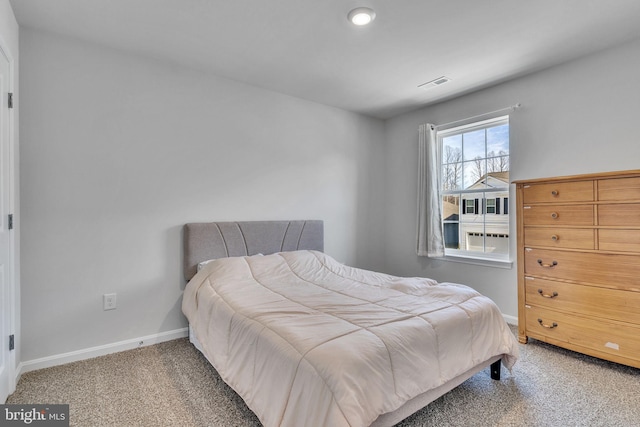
(512, 320)
(102, 350)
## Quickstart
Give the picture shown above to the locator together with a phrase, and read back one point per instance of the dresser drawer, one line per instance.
(581, 191)
(586, 300)
(612, 338)
(558, 215)
(619, 214)
(557, 237)
(619, 240)
(620, 189)
(609, 270)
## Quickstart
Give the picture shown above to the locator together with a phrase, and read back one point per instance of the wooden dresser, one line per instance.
(579, 263)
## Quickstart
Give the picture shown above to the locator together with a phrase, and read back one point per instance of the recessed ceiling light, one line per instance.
(361, 16)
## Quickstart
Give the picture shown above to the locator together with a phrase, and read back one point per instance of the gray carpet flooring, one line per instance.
(171, 384)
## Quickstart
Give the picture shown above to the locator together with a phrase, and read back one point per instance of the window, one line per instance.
(475, 189)
(491, 206)
(468, 206)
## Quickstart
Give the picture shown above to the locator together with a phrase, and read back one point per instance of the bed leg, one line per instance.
(495, 370)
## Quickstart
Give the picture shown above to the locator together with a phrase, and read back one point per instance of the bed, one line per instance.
(308, 341)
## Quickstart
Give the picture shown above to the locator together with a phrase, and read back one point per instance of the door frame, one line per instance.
(13, 289)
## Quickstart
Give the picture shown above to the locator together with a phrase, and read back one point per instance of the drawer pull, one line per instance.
(553, 325)
(555, 193)
(555, 238)
(553, 264)
(555, 294)
(554, 215)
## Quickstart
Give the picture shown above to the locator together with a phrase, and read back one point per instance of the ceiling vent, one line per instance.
(433, 83)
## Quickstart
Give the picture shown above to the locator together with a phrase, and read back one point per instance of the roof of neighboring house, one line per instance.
(449, 209)
(500, 176)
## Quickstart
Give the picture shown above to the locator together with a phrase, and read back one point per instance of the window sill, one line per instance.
(496, 263)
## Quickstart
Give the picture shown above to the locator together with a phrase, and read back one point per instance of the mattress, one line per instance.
(308, 341)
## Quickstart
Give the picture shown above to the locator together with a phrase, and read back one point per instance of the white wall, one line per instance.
(580, 117)
(119, 151)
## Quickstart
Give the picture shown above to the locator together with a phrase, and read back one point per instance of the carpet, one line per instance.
(172, 384)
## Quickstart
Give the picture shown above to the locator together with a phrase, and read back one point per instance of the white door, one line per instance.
(6, 258)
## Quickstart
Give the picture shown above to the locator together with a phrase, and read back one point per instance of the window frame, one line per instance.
(500, 195)
(469, 208)
(493, 206)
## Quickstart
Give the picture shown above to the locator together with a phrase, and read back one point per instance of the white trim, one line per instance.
(484, 262)
(102, 350)
(14, 310)
(512, 320)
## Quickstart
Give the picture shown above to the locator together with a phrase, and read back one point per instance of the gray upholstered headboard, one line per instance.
(209, 240)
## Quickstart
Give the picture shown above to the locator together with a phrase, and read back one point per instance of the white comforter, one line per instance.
(307, 341)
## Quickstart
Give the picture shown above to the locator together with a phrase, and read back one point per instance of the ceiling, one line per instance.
(309, 50)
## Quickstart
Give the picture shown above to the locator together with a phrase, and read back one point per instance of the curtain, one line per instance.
(430, 241)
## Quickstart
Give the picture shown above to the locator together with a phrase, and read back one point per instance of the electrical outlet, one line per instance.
(109, 301)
